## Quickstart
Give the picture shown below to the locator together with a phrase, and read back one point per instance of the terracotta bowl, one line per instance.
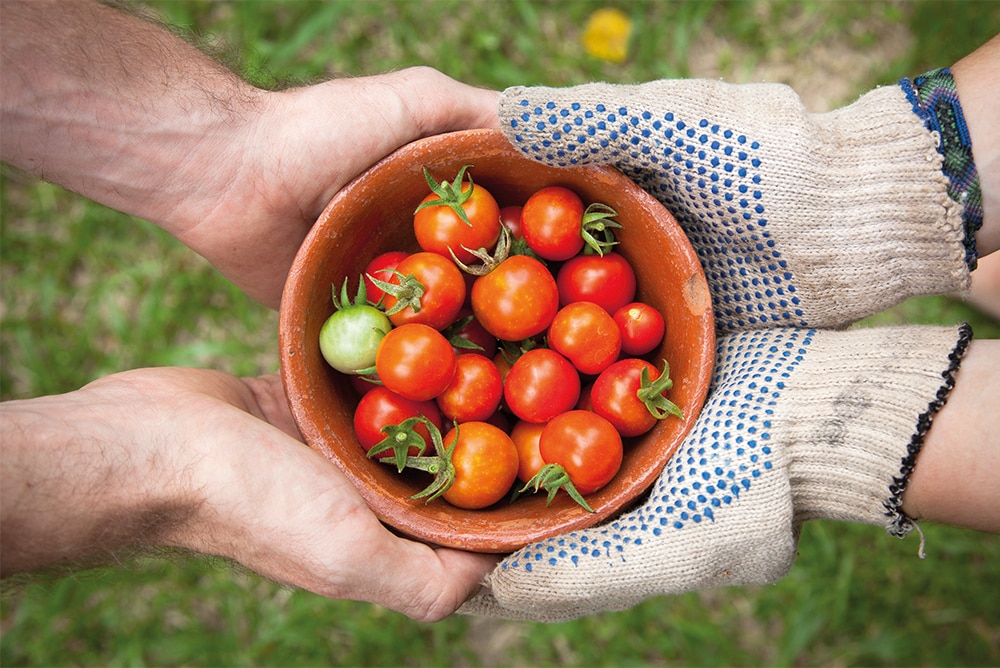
(374, 214)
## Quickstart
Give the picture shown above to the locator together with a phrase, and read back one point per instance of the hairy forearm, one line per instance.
(74, 486)
(118, 109)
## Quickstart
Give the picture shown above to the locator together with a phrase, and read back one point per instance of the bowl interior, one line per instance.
(374, 214)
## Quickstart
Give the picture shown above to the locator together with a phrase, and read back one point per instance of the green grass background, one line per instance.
(85, 291)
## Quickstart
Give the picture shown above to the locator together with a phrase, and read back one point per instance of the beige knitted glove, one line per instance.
(800, 424)
(800, 219)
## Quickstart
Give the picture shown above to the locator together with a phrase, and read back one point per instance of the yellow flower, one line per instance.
(606, 35)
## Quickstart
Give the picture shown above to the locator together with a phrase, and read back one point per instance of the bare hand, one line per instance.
(205, 461)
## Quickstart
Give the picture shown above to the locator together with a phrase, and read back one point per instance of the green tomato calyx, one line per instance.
(344, 300)
(450, 194)
(650, 393)
(399, 438)
(552, 478)
(409, 292)
(439, 465)
(597, 228)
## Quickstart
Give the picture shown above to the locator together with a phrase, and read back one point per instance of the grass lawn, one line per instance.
(85, 291)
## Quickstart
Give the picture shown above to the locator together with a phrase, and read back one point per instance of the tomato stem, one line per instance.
(450, 195)
(400, 438)
(408, 292)
(452, 332)
(650, 393)
(597, 228)
(552, 478)
(489, 262)
(439, 465)
(344, 300)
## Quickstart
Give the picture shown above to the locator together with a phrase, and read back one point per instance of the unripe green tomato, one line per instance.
(350, 337)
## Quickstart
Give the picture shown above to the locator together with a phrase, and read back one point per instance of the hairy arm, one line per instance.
(124, 112)
(203, 461)
(120, 110)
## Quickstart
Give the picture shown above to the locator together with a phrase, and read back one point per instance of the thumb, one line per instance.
(432, 103)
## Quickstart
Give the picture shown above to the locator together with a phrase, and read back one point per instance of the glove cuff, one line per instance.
(858, 419)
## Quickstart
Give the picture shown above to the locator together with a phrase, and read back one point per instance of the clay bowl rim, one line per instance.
(308, 381)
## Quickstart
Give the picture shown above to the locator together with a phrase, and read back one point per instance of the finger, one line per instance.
(269, 394)
(422, 90)
(425, 583)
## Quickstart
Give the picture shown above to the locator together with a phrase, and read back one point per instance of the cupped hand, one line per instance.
(284, 511)
(303, 146)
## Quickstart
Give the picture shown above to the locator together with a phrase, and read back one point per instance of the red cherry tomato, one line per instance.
(443, 291)
(474, 392)
(607, 280)
(586, 445)
(471, 333)
(525, 436)
(363, 384)
(510, 217)
(485, 461)
(641, 326)
(517, 300)
(416, 361)
(502, 364)
(552, 221)
(541, 384)
(614, 396)
(439, 229)
(381, 407)
(586, 335)
(380, 267)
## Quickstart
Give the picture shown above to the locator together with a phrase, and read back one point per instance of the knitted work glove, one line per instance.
(800, 424)
(799, 219)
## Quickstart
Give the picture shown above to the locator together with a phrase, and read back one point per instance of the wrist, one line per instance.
(977, 81)
(84, 477)
(119, 110)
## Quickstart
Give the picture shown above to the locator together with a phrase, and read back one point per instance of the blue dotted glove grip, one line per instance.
(706, 174)
(722, 459)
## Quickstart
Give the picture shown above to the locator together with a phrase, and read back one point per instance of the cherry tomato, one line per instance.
(641, 326)
(474, 392)
(350, 337)
(586, 445)
(510, 217)
(438, 298)
(485, 461)
(380, 407)
(469, 337)
(517, 300)
(380, 267)
(619, 396)
(439, 229)
(500, 420)
(416, 361)
(552, 220)
(502, 364)
(525, 436)
(363, 384)
(541, 384)
(586, 335)
(607, 280)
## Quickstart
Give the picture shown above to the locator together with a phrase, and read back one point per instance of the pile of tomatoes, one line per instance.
(509, 347)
